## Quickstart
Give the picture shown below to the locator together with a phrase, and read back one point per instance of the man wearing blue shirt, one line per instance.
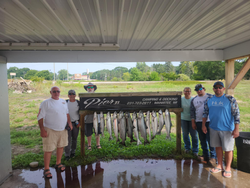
(224, 115)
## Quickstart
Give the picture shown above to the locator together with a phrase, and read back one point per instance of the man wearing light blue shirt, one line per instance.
(224, 115)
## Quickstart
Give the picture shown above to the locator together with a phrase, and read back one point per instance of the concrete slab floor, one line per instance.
(129, 174)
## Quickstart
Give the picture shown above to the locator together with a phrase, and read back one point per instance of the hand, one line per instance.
(235, 133)
(70, 125)
(204, 129)
(194, 126)
(78, 125)
(44, 133)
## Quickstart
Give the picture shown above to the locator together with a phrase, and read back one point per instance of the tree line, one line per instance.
(187, 70)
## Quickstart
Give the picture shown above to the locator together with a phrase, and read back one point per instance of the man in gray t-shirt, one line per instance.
(90, 88)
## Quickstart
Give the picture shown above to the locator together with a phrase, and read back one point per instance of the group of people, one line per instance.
(59, 123)
(215, 118)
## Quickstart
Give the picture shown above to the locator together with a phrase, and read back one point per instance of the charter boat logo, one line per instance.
(215, 103)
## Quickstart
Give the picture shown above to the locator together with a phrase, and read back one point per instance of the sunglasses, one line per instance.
(199, 89)
(71, 94)
(218, 87)
(56, 91)
(90, 87)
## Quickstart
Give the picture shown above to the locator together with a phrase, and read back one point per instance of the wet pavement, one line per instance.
(131, 174)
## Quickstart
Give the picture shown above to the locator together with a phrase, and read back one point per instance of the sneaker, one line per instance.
(187, 151)
(72, 155)
(67, 158)
(203, 159)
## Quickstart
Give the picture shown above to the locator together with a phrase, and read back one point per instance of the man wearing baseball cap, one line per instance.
(196, 112)
(224, 115)
(73, 107)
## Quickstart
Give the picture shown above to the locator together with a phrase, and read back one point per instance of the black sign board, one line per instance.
(129, 102)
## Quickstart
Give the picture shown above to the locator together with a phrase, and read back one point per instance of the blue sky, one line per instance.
(79, 67)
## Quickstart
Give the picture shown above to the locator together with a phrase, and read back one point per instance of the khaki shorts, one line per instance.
(55, 139)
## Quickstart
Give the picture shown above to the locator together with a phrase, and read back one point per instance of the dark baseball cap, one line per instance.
(71, 92)
(198, 86)
(219, 83)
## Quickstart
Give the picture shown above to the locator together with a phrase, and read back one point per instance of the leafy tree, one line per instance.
(141, 66)
(134, 74)
(160, 68)
(144, 76)
(170, 76)
(36, 79)
(169, 67)
(19, 72)
(118, 72)
(183, 77)
(209, 70)
(30, 74)
(62, 74)
(186, 67)
(126, 76)
(45, 74)
(101, 75)
(154, 76)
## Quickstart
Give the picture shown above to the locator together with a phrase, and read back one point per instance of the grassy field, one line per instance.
(27, 143)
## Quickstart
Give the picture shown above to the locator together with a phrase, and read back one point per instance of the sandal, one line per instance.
(59, 167)
(89, 148)
(46, 175)
(226, 172)
(215, 170)
(98, 147)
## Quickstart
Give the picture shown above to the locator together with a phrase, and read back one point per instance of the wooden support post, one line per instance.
(240, 74)
(178, 132)
(229, 75)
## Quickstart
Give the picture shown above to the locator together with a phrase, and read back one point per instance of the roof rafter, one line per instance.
(31, 30)
(193, 22)
(9, 37)
(97, 7)
(121, 5)
(138, 23)
(58, 19)
(19, 4)
(183, 16)
(73, 8)
(20, 34)
(158, 23)
(221, 27)
(210, 23)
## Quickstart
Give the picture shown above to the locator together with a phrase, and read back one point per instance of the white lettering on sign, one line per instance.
(97, 101)
(246, 141)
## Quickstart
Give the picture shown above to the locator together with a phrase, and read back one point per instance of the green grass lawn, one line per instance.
(23, 109)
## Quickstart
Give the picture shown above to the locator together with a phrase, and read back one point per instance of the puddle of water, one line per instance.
(132, 173)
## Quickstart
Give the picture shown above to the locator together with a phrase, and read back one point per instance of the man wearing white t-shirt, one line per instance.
(52, 118)
(196, 113)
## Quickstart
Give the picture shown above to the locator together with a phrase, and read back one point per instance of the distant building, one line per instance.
(80, 77)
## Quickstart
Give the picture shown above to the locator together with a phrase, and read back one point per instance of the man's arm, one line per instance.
(204, 128)
(192, 114)
(235, 132)
(69, 122)
(43, 131)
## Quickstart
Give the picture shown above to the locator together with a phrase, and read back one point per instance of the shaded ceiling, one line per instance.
(133, 25)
